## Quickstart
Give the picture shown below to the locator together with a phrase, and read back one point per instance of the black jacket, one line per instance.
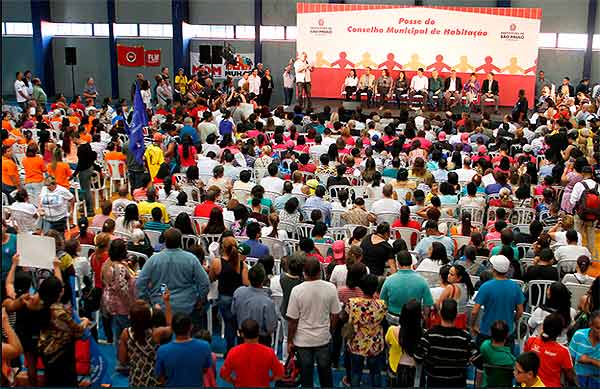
(485, 86)
(459, 85)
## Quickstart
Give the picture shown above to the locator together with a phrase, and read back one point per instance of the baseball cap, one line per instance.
(158, 137)
(339, 249)
(243, 249)
(482, 149)
(500, 263)
(442, 136)
(527, 148)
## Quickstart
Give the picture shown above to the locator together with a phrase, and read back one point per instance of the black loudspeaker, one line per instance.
(70, 56)
(217, 54)
(205, 54)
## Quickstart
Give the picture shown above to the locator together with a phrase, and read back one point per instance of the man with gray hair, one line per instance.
(386, 205)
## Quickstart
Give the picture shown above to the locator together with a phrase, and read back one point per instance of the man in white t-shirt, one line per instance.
(386, 205)
(55, 202)
(302, 69)
(21, 91)
(312, 310)
(254, 82)
(419, 85)
(243, 80)
(466, 173)
(573, 249)
(272, 183)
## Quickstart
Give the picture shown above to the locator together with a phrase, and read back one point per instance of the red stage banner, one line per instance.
(132, 56)
(152, 57)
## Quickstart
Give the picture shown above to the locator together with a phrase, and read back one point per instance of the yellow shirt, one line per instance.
(538, 384)
(181, 82)
(395, 349)
(145, 208)
(155, 157)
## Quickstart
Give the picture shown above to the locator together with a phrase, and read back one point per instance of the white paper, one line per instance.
(36, 251)
(488, 179)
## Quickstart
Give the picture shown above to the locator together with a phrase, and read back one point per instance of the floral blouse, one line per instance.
(366, 315)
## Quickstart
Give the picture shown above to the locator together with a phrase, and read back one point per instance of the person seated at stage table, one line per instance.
(350, 84)
(436, 88)
(383, 87)
(452, 88)
(419, 85)
(489, 90)
(366, 84)
(471, 89)
(400, 86)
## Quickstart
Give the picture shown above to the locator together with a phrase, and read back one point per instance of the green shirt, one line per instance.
(436, 84)
(497, 356)
(496, 251)
(39, 95)
(403, 286)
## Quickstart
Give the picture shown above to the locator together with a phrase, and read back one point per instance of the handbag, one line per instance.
(291, 373)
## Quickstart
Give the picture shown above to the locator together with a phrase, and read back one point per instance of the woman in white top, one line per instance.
(129, 221)
(55, 202)
(146, 94)
(558, 299)
(579, 277)
(437, 258)
(272, 230)
(350, 84)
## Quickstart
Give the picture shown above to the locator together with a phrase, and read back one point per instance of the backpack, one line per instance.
(588, 205)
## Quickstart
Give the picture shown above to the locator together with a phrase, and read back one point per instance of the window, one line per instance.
(244, 32)
(272, 32)
(18, 28)
(101, 29)
(71, 29)
(547, 40)
(290, 33)
(572, 41)
(210, 31)
(596, 42)
(125, 29)
(156, 30)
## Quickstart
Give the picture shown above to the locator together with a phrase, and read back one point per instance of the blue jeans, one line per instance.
(306, 360)
(375, 365)
(588, 382)
(224, 304)
(119, 323)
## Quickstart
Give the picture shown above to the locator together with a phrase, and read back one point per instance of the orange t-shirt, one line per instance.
(10, 174)
(6, 125)
(9, 142)
(62, 173)
(85, 137)
(114, 156)
(34, 169)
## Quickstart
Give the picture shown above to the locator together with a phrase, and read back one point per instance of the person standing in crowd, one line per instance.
(266, 87)
(585, 222)
(313, 309)
(288, 85)
(502, 299)
(445, 351)
(86, 158)
(55, 203)
(254, 82)
(21, 91)
(302, 69)
(39, 95)
(183, 361)
(251, 364)
(405, 285)
(90, 91)
(179, 270)
(254, 303)
(232, 273)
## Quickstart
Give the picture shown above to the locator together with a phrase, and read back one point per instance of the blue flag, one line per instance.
(99, 375)
(135, 131)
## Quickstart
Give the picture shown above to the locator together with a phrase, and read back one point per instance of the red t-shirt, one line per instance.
(252, 364)
(553, 358)
(203, 209)
(97, 261)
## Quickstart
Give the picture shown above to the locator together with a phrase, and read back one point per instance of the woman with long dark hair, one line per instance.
(460, 288)
(465, 228)
(437, 257)
(403, 340)
(129, 220)
(184, 224)
(58, 334)
(187, 153)
(216, 224)
(558, 300)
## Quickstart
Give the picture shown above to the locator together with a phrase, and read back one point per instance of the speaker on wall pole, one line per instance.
(71, 60)
(217, 54)
(205, 54)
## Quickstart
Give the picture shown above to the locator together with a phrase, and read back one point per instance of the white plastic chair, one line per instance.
(477, 213)
(566, 266)
(406, 234)
(153, 236)
(537, 288)
(522, 215)
(304, 230)
(577, 292)
(85, 249)
(388, 217)
(188, 241)
(117, 173)
(97, 188)
(197, 222)
(276, 246)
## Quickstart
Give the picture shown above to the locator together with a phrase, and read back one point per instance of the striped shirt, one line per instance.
(580, 345)
(445, 352)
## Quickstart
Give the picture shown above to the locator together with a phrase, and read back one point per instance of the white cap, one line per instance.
(500, 263)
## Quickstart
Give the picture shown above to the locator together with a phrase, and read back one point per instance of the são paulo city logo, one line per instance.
(321, 28)
(512, 34)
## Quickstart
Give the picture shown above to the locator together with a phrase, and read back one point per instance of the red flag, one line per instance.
(152, 57)
(130, 55)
